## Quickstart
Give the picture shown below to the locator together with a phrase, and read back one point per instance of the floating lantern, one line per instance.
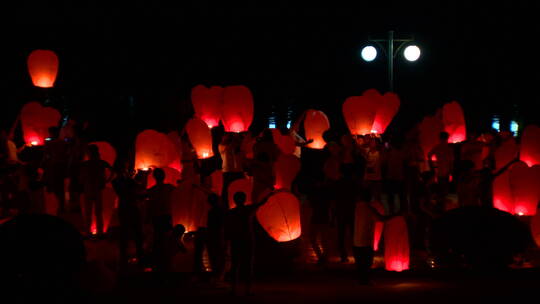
(379, 226)
(396, 244)
(502, 193)
(525, 185)
(280, 217)
(155, 150)
(190, 207)
(240, 185)
(286, 168)
(315, 124)
(200, 138)
(237, 110)
(285, 143)
(36, 121)
(530, 146)
(43, 67)
(359, 113)
(454, 122)
(207, 103)
(386, 110)
(430, 129)
(106, 151)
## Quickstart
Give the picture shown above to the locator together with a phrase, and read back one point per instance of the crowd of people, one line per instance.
(340, 184)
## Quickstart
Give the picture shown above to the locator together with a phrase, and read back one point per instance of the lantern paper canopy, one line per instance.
(315, 124)
(106, 151)
(379, 226)
(530, 145)
(237, 110)
(286, 168)
(280, 217)
(36, 121)
(454, 122)
(200, 138)
(171, 177)
(217, 181)
(502, 193)
(189, 206)
(359, 113)
(207, 103)
(396, 244)
(175, 138)
(525, 185)
(535, 228)
(155, 150)
(240, 185)
(43, 67)
(430, 129)
(285, 143)
(386, 110)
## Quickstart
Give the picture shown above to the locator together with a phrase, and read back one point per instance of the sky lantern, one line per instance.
(535, 228)
(237, 110)
(396, 244)
(285, 143)
(189, 206)
(280, 217)
(430, 129)
(106, 151)
(454, 122)
(155, 150)
(43, 67)
(171, 177)
(200, 137)
(315, 124)
(286, 169)
(502, 193)
(359, 113)
(386, 110)
(379, 226)
(36, 121)
(240, 185)
(530, 145)
(525, 185)
(207, 103)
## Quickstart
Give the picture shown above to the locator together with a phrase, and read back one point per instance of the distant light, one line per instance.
(412, 53)
(289, 124)
(514, 127)
(272, 125)
(495, 124)
(369, 53)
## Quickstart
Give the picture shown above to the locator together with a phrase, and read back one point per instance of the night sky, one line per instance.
(132, 65)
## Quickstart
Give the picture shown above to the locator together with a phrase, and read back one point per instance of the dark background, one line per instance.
(131, 65)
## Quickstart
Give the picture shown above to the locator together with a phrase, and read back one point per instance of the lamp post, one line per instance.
(411, 53)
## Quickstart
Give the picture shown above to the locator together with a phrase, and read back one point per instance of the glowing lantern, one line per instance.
(200, 137)
(175, 138)
(43, 67)
(155, 150)
(525, 185)
(285, 143)
(286, 168)
(36, 121)
(207, 103)
(454, 122)
(189, 207)
(530, 145)
(237, 111)
(502, 193)
(379, 226)
(430, 129)
(172, 176)
(280, 217)
(535, 228)
(106, 151)
(396, 244)
(386, 110)
(315, 124)
(240, 185)
(217, 181)
(359, 113)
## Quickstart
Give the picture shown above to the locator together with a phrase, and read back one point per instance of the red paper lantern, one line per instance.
(454, 122)
(106, 151)
(396, 244)
(286, 168)
(36, 121)
(430, 129)
(379, 226)
(172, 176)
(190, 206)
(155, 150)
(207, 103)
(525, 185)
(240, 185)
(535, 228)
(359, 113)
(237, 111)
(285, 143)
(530, 145)
(502, 193)
(386, 110)
(315, 124)
(200, 137)
(280, 217)
(43, 67)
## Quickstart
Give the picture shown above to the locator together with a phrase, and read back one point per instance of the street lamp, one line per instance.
(411, 53)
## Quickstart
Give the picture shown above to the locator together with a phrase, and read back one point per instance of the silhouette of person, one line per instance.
(55, 166)
(441, 158)
(216, 237)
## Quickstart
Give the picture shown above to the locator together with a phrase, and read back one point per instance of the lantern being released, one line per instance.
(530, 146)
(387, 108)
(189, 207)
(430, 129)
(200, 138)
(315, 124)
(454, 122)
(207, 103)
(240, 185)
(396, 244)
(36, 121)
(525, 185)
(286, 168)
(106, 151)
(154, 150)
(285, 143)
(280, 217)
(237, 110)
(502, 193)
(379, 226)
(359, 113)
(43, 67)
